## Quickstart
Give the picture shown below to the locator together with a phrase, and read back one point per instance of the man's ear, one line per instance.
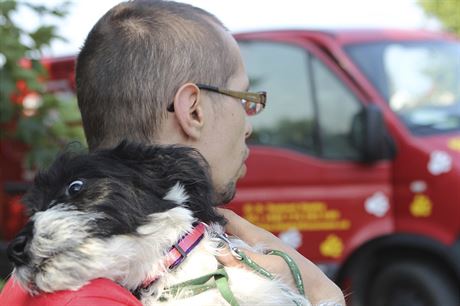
(188, 109)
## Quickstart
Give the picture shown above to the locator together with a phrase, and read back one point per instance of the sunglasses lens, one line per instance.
(251, 108)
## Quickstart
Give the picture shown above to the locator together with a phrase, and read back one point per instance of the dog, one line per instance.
(122, 214)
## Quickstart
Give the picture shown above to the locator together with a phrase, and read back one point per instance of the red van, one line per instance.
(355, 162)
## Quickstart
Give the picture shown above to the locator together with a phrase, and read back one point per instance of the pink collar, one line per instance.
(185, 245)
(180, 250)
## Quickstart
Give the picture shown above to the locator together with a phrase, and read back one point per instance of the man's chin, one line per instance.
(243, 171)
(226, 195)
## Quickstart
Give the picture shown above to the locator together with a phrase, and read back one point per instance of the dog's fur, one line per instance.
(136, 201)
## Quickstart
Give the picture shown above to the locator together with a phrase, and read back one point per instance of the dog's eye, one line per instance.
(74, 188)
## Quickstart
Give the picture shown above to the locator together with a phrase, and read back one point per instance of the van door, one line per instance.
(306, 182)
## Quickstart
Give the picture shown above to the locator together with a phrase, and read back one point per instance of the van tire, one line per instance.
(412, 284)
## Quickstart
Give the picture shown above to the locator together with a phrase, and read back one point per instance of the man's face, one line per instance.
(224, 138)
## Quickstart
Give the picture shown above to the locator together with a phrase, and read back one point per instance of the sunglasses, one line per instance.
(253, 103)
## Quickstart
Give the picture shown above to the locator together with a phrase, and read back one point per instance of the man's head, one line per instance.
(135, 59)
(144, 56)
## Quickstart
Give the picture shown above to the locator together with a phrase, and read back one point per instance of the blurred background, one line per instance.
(240, 15)
(372, 177)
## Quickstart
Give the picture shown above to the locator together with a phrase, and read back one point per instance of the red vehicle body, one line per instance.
(356, 159)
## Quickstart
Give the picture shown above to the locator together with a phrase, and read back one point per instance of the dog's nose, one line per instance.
(17, 251)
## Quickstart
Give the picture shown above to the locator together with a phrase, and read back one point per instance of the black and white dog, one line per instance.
(117, 214)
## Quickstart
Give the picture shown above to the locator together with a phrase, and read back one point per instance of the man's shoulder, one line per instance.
(100, 292)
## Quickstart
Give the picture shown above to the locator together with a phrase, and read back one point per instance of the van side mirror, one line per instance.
(370, 135)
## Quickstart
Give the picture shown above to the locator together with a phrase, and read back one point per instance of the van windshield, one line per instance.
(420, 81)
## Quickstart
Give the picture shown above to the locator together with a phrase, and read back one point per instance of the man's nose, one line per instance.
(17, 250)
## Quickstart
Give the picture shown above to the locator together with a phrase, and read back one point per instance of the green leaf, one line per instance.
(6, 7)
(38, 66)
(25, 74)
(43, 36)
(48, 130)
(446, 11)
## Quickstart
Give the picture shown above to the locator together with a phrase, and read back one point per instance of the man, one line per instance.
(149, 71)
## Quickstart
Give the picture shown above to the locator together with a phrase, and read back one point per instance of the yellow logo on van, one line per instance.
(332, 246)
(421, 206)
(303, 216)
(454, 144)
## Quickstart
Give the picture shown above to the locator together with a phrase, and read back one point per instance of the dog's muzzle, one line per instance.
(17, 249)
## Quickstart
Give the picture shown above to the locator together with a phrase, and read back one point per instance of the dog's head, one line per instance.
(111, 213)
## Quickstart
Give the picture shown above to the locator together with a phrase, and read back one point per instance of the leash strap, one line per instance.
(290, 262)
(219, 280)
(251, 264)
(294, 269)
(224, 289)
(239, 255)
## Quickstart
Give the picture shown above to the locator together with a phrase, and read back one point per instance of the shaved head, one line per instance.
(135, 59)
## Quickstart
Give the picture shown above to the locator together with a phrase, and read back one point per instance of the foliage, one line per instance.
(42, 120)
(447, 11)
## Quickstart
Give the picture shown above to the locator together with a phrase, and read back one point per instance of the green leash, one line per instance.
(290, 262)
(219, 279)
(293, 267)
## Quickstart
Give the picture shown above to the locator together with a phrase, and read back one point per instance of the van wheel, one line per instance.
(412, 284)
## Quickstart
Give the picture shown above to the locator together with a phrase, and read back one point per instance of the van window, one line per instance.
(338, 108)
(317, 122)
(419, 79)
(289, 119)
